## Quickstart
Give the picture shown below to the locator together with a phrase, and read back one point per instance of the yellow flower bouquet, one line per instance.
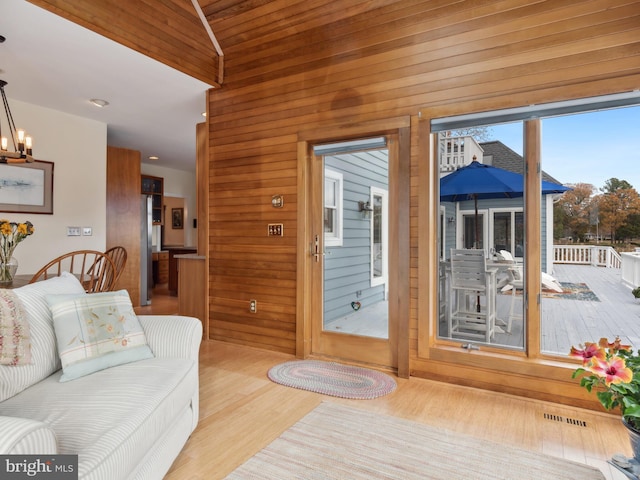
(11, 234)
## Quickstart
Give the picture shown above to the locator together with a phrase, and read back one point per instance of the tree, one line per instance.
(560, 222)
(481, 134)
(631, 228)
(613, 184)
(576, 206)
(617, 203)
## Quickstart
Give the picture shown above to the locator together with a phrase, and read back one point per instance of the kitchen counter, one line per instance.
(173, 265)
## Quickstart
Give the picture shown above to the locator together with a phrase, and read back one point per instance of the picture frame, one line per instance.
(177, 218)
(26, 187)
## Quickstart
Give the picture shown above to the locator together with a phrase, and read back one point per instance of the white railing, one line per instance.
(456, 152)
(587, 255)
(631, 269)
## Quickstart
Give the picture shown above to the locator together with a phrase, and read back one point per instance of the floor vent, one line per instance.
(571, 421)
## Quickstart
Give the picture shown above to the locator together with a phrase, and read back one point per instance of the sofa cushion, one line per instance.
(113, 417)
(15, 343)
(96, 331)
(44, 357)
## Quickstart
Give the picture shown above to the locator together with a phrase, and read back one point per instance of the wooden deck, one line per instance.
(567, 322)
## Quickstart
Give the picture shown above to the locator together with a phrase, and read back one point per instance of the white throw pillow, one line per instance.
(44, 357)
(96, 331)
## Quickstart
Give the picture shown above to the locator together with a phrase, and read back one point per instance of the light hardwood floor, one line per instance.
(241, 411)
(161, 303)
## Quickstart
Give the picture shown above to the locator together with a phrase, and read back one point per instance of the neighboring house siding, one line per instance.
(348, 267)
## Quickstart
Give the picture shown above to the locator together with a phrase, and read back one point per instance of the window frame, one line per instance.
(335, 238)
(384, 278)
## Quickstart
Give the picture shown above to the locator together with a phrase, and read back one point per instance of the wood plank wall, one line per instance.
(169, 31)
(123, 214)
(395, 60)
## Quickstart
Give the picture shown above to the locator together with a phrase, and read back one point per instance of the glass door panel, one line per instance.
(350, 273)
(355, 240)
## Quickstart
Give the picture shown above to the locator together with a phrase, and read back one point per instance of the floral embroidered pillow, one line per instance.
(15, 340)
(96, 331)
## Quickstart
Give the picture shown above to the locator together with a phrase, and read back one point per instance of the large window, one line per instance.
(586, 225)
(481, 195)
(595, 231)
(508, 232)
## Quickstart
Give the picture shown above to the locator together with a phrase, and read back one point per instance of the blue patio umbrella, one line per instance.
(478, 181)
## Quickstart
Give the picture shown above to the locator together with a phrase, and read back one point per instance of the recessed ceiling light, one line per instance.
(153, 157)
(98, 102)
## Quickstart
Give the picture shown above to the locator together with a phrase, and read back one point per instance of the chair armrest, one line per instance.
(173, 336)
(21, 436)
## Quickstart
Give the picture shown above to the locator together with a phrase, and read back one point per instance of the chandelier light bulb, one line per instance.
(20, 140)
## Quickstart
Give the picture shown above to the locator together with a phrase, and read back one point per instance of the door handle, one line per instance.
(315, 249)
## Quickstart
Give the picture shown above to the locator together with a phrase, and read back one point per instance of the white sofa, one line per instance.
(124, 422)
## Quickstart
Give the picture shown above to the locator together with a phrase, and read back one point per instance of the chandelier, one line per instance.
(22, 143)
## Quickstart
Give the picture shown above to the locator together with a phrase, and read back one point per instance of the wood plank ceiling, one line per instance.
(251, 33)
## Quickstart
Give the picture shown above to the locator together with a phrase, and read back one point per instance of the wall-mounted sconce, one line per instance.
(451, 219)
(277, 201)
(365, 208)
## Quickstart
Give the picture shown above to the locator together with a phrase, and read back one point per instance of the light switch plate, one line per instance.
(275, 229)
(73, 231)
(87, 231)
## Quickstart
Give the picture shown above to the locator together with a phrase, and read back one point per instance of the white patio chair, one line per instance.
(472, 296)
(515, 283)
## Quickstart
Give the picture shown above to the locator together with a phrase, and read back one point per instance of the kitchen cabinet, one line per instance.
(154, 186)
(160, 267)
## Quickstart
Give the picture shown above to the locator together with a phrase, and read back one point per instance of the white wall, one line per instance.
(78, 148)
(179, 183)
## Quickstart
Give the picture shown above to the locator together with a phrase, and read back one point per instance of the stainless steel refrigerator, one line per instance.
(146, 261)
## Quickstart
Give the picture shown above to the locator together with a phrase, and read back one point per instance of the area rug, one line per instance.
(570, 291)
(334, 379)
(341, 442)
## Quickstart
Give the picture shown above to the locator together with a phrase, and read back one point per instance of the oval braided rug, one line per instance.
(334, 379)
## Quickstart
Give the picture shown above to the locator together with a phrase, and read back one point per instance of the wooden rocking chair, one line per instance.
(118, 256)
(95, 270)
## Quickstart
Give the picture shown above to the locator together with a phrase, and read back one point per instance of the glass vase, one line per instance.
(8, 271)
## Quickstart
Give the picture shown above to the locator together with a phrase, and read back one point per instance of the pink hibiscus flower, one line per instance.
(613, 370)
(590, 351)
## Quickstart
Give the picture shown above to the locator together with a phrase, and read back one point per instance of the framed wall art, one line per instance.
(177, 218)
(26, 187)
